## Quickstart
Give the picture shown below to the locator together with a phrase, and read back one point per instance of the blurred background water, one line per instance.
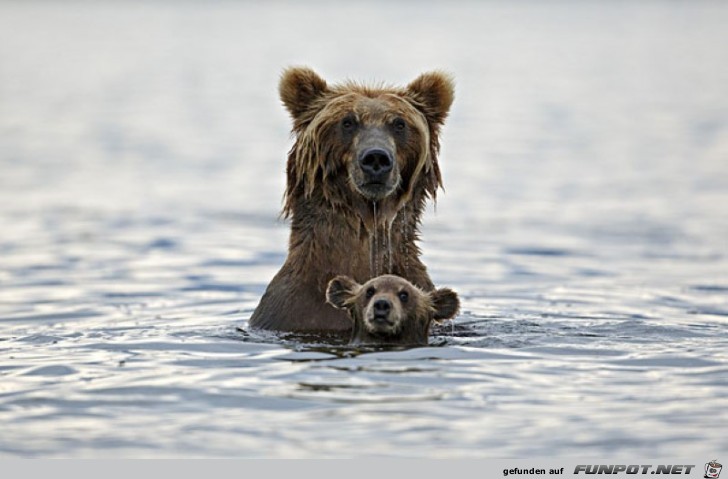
(142, 151)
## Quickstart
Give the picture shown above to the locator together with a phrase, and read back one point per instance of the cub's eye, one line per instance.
(403, 296)
(399, 124)
(348, 123)
(370, 291)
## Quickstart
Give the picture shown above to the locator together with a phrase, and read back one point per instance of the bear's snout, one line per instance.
(381, 308)
(376, 164)
(374, 169)
(382, 316)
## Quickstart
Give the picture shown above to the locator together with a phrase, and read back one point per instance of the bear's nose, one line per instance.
(376, 163)
(382, 307)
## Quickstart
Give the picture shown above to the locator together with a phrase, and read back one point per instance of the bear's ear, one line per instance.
(433, 94)
(299, 88)
(446, 303)
(340, 291)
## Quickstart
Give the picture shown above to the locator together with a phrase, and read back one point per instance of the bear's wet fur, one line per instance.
(362, 167)
(389, 310)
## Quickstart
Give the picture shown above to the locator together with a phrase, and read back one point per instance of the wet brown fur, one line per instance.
(332, 225)
(410, 319)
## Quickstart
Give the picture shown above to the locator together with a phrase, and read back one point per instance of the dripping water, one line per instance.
(389, 244)
(403, 241)
(381, 254)
(373, 245)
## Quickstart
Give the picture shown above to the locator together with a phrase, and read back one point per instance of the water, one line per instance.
(584, 225)
(374, 244)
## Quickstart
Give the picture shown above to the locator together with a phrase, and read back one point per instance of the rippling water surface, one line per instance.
(583, 223)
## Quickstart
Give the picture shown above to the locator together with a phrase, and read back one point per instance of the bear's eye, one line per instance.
(403, 296)
(348, 123)
(399, 124)
(370, 291)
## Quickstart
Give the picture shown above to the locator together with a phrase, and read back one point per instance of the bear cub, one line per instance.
(390, 310)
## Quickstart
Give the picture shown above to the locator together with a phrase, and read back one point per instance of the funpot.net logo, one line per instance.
(635, 469)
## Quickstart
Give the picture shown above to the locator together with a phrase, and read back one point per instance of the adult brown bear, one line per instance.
(362, 167)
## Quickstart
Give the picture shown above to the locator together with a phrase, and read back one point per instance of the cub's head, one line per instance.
(389, 309)
(358, 143)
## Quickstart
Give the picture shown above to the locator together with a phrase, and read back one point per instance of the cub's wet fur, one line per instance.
(389, 309)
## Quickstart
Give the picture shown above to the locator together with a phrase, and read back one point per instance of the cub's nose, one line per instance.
(382, 307)
(376, 163)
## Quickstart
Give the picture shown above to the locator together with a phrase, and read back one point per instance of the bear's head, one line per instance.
(358, 144)
(389, 309)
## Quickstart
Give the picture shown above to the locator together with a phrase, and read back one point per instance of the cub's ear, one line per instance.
(299, 88)
(446, 303)
(433, 94)
(340, 291)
